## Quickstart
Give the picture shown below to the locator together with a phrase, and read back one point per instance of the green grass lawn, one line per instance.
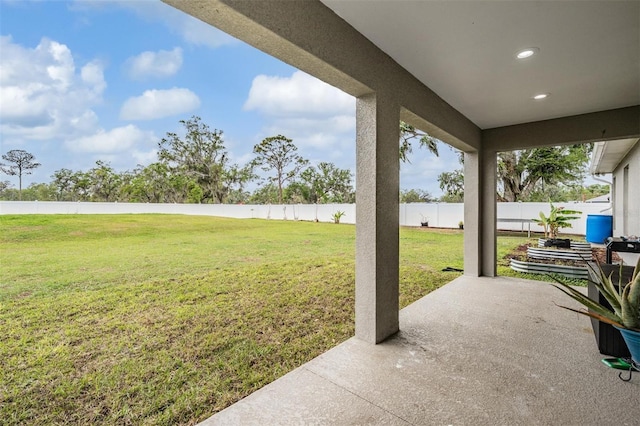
(166, 319)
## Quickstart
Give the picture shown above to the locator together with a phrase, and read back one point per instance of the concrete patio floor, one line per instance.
(477, 351)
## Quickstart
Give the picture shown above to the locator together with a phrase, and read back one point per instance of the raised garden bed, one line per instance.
(563, 254)
(549, 268)
(543, 261)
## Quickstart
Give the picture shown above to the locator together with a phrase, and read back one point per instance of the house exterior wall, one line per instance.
(626, 194)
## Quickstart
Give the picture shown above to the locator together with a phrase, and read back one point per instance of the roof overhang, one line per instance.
(607, 155)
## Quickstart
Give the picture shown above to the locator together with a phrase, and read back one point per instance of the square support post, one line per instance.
(472, 214)
(377, 217)
(489, 216)
(480, 245)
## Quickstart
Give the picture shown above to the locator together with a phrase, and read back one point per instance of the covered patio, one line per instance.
(476, 351)
(482, 349)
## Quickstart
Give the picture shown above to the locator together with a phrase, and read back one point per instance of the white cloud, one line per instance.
(116, 140)
(145, 157)
(192, 30)
(319, 133)
(318, 117)
(153, 104)
(42, 94)
(93, 77)
(297, 96)
(163, 63)
(334, 124)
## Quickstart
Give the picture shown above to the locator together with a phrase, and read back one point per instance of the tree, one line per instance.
(415, 196)
(39, 192)
(238, 196)
(22, 163)
(236, 178)
(201, 157)
(265, 194)
(63, 184)
(279, 155)
(559, 192)
(152, 184)
(5, 186)
(528, 175)
(407, 134)
(105, 182)
(328, 184)
(592, 191)
(452, 183)
(298, 192)
(81, 186)
(521, 172)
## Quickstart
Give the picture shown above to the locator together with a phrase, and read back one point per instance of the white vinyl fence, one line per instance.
(439, 215)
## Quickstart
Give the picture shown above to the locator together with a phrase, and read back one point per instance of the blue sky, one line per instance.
(82, 81)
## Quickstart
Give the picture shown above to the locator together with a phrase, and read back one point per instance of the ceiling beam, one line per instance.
(621, 123)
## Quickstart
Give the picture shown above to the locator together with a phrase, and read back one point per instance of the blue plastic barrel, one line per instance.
(599, 228)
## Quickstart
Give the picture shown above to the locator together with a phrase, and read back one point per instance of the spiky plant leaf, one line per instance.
(605, 287)
(625, 301)
(636, 270)
(587, 302)
(609, 291)
(591, 304)
(597, 316)
(631, 304)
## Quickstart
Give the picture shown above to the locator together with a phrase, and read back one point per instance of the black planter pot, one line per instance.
(609, 340)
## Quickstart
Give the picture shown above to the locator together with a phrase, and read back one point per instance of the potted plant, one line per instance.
(624, 313)
(461, 225)
(608, 339)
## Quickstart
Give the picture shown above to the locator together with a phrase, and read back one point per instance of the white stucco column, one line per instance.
(488, 239)
(480, 249)
(377, 225)
(472, 214)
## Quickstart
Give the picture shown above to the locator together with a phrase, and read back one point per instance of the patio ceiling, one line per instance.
(465, 51)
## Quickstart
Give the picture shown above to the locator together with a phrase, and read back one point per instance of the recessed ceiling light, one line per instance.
(527, 53)
(540, 96)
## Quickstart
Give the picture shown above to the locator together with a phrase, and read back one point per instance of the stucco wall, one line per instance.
(627, 189)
